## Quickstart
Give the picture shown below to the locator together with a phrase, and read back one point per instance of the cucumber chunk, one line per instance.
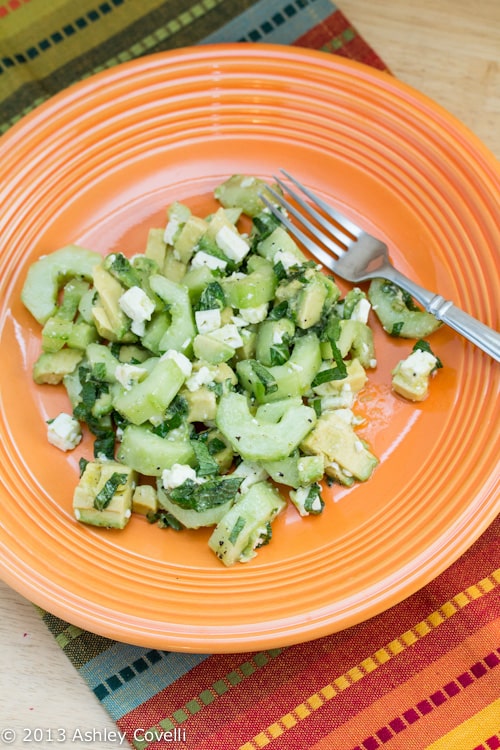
(181, 331)
(150, 454)
(46, 275)
(397, 313)
(240, 527)
(262, 441)
(149, 398)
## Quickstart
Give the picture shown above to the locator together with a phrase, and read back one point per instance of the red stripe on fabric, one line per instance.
(333, 28)
(256, 703)
(11, 6)
(304, 670)
(492, 743)
(323, 723)
(349, 646)
(428, 705)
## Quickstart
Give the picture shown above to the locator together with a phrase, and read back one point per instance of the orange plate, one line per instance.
(97, 165)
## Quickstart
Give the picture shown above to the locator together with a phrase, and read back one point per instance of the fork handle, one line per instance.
(481, 335)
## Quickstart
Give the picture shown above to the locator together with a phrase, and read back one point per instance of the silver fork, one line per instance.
(360, 257)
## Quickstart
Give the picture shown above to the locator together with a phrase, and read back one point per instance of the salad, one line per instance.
(217, 371)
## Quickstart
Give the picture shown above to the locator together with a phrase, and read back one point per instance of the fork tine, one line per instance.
(341, 239)
(316, 250)
(318, 234)
(345, 223)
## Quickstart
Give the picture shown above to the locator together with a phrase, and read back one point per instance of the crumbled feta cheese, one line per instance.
(418, 364)
(137, 306)
(64, 432)
(202, 377)
(254, 314)
(232, 244)
(229, 335)
(346, 415)
(361, 311)
(286, 258)
(340, 401)
(127, 375)
(238, 321)
(252, 473)
(207, 320)
(277, 336)
(176, 475)
(247, 182)
(184, 364)
(171, 230)
(201, 258)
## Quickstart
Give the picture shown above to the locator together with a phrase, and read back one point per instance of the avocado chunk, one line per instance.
(52, 367)
(46, 276)
(144, 500)
(345, 455)
(256, 441)
(310, 301)
(411, 376)
(202, 404)
(211, 349)
(109, 318)
(103, 496)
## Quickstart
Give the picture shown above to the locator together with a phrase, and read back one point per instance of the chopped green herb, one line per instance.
(209, 494)
(82, 464)
(165, 520)
(215, 446)
(104, 446)
(279, 311)
(119, 266)
(212, 297)
(311, 504)
(397, 328)
(105, 495)
(207, 466)
(279, 354)
(265, 377)
(265, 536)
(237, 529)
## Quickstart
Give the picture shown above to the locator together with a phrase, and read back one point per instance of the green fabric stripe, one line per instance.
(170, 26)
(79, 645)
(209, 695)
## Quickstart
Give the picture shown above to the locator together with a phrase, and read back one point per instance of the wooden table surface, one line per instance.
(449, 50)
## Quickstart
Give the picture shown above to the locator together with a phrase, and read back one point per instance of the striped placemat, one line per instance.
(424, 674)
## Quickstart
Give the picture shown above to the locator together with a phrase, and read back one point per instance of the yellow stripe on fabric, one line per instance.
(210, 695)
(81, 41)
(380, 657)
(140, 47)
(472, 732)
(68, 635)
(173, 26)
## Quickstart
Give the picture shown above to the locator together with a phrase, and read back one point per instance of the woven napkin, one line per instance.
(424, 674)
